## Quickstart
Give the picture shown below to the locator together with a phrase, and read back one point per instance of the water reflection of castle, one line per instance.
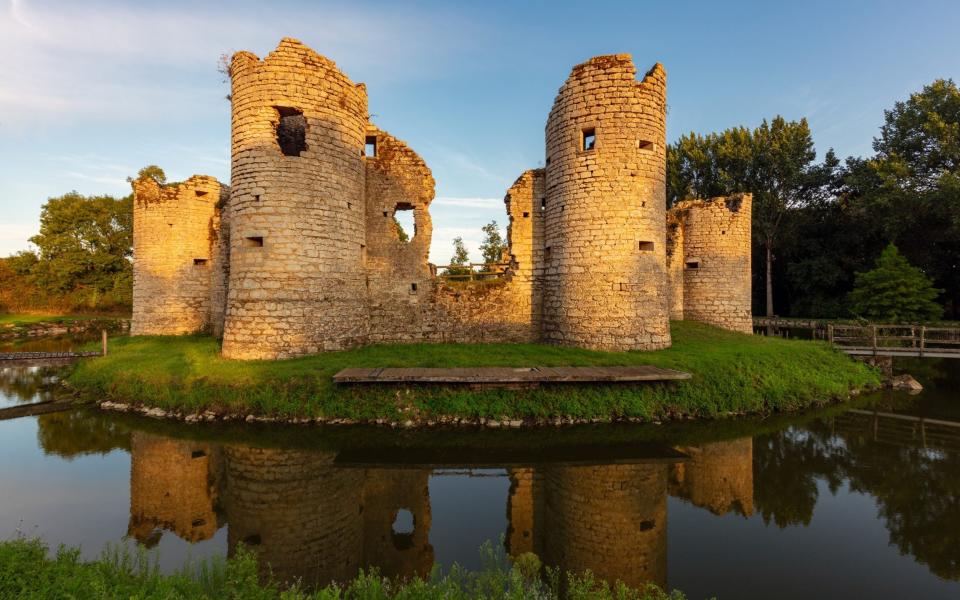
(310, 518)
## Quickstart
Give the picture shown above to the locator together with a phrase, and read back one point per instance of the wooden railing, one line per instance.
(896, 340)
(470, 272)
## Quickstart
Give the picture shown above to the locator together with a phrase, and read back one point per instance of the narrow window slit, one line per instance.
(253, 241)
(588, 138)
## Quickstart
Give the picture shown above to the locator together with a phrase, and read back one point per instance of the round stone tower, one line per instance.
(604, 247)
(297, 222)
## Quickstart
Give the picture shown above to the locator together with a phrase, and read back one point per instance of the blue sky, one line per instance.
(92, 91)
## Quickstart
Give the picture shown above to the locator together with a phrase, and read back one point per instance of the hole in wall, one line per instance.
(253, 242)
(543, 204)
(200, 193)
(646, 145)
(198, 523)
(547, 252)
(405, 222)
(692, 264)
(363, 254)
(526, 215)
(370, 146)
(198, 454)
(200, 262)
(413, 288)
(646, 246)
(647, 525)
(402, 530)
(588, 138)
(256, 198)
(291, 131)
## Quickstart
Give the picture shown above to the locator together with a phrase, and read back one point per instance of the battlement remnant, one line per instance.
(302, 253)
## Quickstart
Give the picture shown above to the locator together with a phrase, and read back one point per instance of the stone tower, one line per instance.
(297, 281)
(176, 232)
(710, 261)
(604, 246)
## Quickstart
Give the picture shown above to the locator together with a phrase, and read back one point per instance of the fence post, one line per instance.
(923, 339)
(874, 328)
(103, 339)
(830, 332)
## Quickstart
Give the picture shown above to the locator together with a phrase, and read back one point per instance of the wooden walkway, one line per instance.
(896, 340)
(20, 359)
(35, 408)
(510, 376)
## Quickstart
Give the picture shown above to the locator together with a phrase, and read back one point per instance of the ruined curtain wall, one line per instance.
(716, 267)
(605, 283)
(297, 283)
(174, 236)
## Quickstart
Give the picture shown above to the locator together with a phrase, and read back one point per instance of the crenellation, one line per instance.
(302, 254)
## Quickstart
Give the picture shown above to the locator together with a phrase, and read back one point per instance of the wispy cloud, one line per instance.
(482, 203)
(118, 60)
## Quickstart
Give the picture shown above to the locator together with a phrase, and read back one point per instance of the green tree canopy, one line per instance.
(895, 291)
(85, 243)
(154, 172)
(774, 162)
(460, 254)
(493, 245)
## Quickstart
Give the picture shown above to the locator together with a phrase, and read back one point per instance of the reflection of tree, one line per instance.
(917, 490)
(785, 467)
(918, 496)
(28, 384)
(78, 432)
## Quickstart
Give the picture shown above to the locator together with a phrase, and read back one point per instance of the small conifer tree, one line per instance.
(895, 291)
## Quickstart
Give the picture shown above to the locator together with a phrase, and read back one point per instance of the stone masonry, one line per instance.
(709, 265)
(301, 254)
(176, 240)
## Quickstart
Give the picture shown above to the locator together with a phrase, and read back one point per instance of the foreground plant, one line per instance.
(28, 571)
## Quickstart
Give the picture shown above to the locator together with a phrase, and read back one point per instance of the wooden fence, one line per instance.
(470, 272)
(896, 340)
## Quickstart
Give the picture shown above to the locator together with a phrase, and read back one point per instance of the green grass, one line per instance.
(17, 319)
(732, 374)
(27, 571)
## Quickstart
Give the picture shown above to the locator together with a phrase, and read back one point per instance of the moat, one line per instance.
(861, 502)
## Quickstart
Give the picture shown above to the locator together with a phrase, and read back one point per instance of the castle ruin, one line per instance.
(301, 255)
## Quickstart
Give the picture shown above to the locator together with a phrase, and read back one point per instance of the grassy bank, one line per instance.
(732, 374)
(27, 571)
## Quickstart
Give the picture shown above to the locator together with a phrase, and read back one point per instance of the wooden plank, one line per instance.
(496, 375)
(37, 408)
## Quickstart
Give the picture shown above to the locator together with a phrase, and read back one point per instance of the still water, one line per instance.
(838, 503)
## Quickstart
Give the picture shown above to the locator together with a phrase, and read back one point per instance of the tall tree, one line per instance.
(85, 243)
(915, 182)
(775, 162)
(493, 245)
(460, 255)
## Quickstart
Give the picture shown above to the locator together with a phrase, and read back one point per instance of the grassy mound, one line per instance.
(732, 373)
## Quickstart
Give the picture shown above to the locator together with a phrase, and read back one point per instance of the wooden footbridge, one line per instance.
(908, 341)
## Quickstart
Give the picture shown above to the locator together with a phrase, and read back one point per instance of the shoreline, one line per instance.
(732, 375)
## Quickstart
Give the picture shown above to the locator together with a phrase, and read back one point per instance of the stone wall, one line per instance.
(718, 477)
(397, 554)
(611, 519)
(605, 284)
(297, 511)
(715, 237)
(297, 282)
(174, 236)
(525, 506)
(173, 487)
(303, 256)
